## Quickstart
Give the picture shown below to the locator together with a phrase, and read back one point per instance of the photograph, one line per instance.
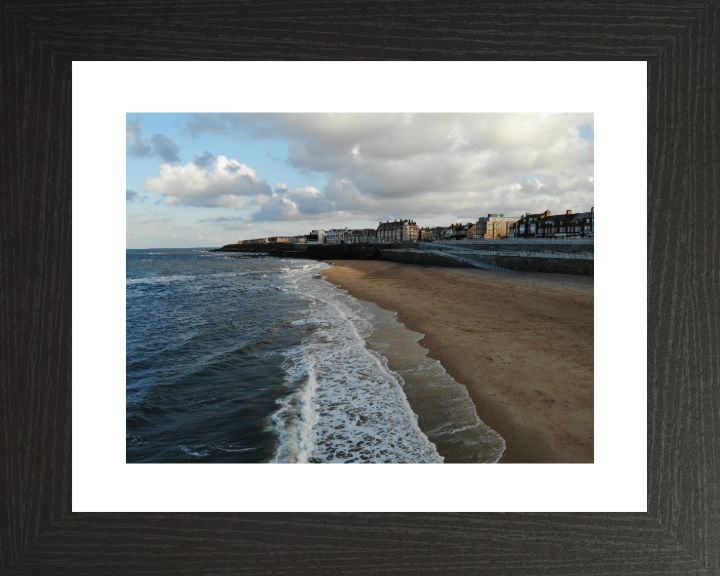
(356, 234)
(360, 288)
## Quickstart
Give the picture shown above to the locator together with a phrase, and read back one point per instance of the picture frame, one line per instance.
(681, 530)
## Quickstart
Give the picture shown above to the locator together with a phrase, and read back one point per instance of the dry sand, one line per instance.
(522, 344)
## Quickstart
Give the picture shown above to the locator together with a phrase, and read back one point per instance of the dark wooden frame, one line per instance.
(680, 532)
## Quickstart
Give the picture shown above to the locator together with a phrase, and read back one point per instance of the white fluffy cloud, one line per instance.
(229, 185)
(380, 165)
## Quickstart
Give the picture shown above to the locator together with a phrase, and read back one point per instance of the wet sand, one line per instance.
(521, 343)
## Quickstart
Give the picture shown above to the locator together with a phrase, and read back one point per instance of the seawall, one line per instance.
(560, 265)
(316, 251)
(568, 261)
(578, 266)
(426, 258)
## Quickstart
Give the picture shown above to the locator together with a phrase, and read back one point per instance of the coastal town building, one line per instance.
(317, 237)
(545, 225)
(337, 235)
(459, 232)
(568, 225)
(369, 235)
(584, 223)
(426, 234)
(439, 233)
(398, 231)
(361, 236)
(527, 226)
(554, 226)
(494, 226)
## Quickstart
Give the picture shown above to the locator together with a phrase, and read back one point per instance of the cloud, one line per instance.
(162, 146)
(132, 196)
(277, 206)
(204, 161)
(165, 148)
(418, 165)
(222, 219)
(230, 184)
(158, 219)
(200, 123)
(238, 226)
(133, 143)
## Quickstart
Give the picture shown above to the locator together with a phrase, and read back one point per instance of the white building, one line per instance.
(317, 237)
(337, 235)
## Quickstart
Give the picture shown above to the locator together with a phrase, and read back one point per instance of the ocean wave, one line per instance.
(348, 407)
(193, 453)
(181, 278)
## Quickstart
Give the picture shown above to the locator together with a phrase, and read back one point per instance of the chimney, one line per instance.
(568, 211)
(547, 213)
(527, 213)
(592, 209)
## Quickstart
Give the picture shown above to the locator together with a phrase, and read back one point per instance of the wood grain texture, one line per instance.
(681, 531)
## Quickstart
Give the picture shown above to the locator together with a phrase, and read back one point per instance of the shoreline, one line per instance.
(521, 344)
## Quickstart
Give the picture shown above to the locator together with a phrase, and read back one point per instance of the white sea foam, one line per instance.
(194, 454)
(180, 278)
(348, 407)
(295, 421)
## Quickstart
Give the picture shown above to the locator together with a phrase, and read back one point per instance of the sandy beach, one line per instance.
(522, 344)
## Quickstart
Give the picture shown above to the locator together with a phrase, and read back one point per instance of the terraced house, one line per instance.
(527, 226)
(361, 236)
(567, 225)
(545, 225)
(459, 232)
(426, 235)
(398, 231)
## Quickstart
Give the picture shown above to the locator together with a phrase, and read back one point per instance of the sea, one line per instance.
(247, 358)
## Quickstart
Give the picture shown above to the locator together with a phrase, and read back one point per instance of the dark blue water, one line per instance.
(246, 358)
(207, 335)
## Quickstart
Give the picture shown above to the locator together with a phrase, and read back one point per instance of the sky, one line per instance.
(201, 180)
